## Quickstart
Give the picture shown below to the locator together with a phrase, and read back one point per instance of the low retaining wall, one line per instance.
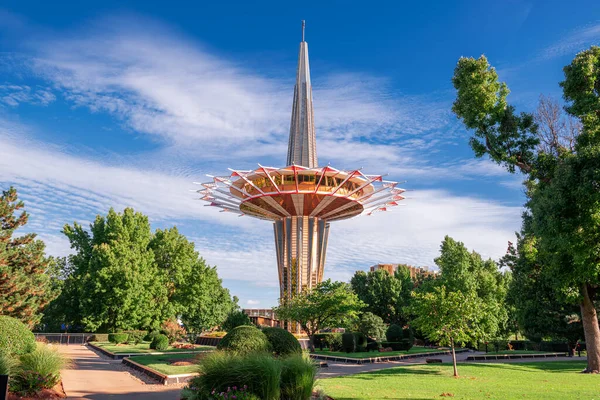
(514, 356)
(208, 341)
(121, 356)
(160, 377)
(371, 360)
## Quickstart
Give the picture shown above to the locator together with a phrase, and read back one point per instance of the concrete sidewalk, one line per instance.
(91, 377)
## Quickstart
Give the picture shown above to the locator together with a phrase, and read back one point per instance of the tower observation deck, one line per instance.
(302, 198)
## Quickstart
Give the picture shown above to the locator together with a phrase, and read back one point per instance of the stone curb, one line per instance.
(372, 360)
(121, 356)
(514, 356)
(160, 377)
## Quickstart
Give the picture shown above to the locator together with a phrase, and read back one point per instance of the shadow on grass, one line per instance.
(545, 366)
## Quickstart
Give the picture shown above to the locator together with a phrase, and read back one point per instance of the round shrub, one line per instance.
(151, 335)
(160, 343)
(349, 342)
(118, 338)
(282, 341)
(235, 319)
(394, 333)
(15, 338)
(245, 339)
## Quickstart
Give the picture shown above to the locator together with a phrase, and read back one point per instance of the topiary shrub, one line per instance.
(136, 336)
(98, 337)
(361, 341)
(118, 338)
(160, 343)
(235, 319)
(151, 335)
(348, 342)
(38, 370)
(394, 333)
(245, 339)
(282, 342)
(15, 337)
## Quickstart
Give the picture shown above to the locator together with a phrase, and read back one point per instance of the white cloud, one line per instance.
(577, 40)
(13, 95)
(253, 302)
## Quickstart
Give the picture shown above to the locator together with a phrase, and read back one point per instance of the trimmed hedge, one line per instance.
(160, 343)
(402, 345)
(361, 341)
(15, 337)
(330, 340)
(245, 339)
(552, 346)
(118, 338)
(394, 333)
(282, 341)
(151, 335)
(98, 337)
(136, 336)
(348, 342)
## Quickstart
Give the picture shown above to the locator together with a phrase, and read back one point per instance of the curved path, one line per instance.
(95, 378)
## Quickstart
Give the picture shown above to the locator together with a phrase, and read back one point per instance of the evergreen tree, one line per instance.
(25, 286)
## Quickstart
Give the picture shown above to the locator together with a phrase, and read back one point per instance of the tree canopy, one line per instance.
(329, 304)
(562, 180)
(25, 284)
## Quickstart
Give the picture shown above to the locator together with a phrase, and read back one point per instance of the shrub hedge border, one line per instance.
(121, 356)
(372, 360)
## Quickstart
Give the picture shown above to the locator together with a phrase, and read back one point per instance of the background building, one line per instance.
(414, 271)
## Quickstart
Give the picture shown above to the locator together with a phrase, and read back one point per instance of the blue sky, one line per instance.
(127, 103)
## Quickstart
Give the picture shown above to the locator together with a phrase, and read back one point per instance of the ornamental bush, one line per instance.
(282, 342)
(245, 339)
(348, 342)
(394, 333)
(151, 335)
(173, 330)
(333, 341)
(160, 343)
(298, 375)
(136, 336)
(98, 337)
(118, 338)
(361, 341)
(38, 370)
(235, 319)
(15, 338)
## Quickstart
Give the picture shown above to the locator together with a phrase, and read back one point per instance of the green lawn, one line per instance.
(160, 363)
(367, 354)
(536, 380)
(502, 352)
(143, 348)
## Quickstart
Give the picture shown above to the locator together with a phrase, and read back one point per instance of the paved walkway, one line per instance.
(340, 369)
(95, 378)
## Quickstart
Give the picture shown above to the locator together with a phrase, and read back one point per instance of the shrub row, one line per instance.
(259, 374)
(547, 345)
(402, 345)
(330, 340)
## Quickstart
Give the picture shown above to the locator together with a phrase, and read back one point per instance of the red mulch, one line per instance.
(56, 392)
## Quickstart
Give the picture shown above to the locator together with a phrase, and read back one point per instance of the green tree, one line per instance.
(116, 274)
(329, 304)
(467, 272)
(25, 284)
(562, 180)
(448, 317)
(371, 326)
(234, 319)
(385, 295)
(194, 291)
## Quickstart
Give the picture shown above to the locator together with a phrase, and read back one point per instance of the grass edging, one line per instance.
(121, 356)
(372, 360)
(514, 356)
(159, 376)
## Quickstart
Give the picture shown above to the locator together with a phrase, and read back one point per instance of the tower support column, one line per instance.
(300, 244)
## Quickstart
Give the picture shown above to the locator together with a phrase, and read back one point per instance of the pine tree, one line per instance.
(25, 286)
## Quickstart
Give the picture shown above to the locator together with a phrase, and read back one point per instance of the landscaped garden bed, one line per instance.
(166, 368)
(544, 380)
(120, 351)
(373, 357)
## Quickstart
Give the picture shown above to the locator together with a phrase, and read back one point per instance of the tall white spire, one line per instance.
(302, 147)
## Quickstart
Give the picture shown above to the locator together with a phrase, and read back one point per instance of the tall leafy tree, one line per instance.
(385, 295)
(467, 272)
(25, 284)
(449, 317)
(562, 184)
(329, 304)
(115, 272)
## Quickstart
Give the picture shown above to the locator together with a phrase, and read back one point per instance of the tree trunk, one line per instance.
(454, 358)
(591, 330)
(311, 343)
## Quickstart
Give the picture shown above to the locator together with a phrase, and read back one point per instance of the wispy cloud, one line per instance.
(13, 95)
(575, 41)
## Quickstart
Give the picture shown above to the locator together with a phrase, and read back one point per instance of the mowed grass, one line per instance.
(161, 363)
(536, 380)
(367, 354)
(144, 348)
